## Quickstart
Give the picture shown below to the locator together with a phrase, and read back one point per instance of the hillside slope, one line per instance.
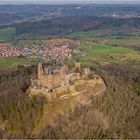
(114, 114)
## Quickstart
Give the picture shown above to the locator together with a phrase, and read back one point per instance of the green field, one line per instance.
(113, 37)
(7, 33)
(105, 54)
(14, 62)
(124, 42)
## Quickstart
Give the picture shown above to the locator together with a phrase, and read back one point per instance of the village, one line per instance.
(32, 51)
(46, 49)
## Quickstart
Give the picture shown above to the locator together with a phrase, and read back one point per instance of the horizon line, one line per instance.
(16, 2)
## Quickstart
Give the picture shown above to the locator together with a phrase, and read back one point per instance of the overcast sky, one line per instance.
(69, 1)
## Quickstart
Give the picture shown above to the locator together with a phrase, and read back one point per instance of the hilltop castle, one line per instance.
(56, 75)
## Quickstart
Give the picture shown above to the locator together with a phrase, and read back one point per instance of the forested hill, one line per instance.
(66, 25)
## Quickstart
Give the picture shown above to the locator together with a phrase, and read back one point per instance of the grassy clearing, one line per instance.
(103, 53)
(106, 32)
(7, 33)
(124, 42)
(92, 34)
(14, 62)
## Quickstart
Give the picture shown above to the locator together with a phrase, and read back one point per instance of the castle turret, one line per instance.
(77, 66)
(86, 72)
(40, 70)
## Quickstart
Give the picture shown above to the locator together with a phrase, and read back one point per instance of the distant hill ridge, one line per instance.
(66, 25)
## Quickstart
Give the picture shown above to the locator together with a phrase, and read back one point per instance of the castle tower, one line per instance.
(86, 72)
(40, 70)
(77, 66)
(62, 73)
